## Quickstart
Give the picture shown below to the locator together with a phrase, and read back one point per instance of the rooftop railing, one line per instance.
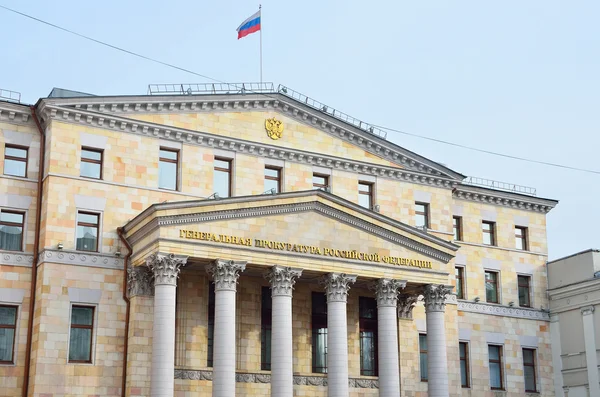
(508, 187)
(10, 96)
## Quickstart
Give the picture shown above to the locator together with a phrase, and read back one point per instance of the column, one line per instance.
(590, 350)
(387, 335)
(166, 268)
(556, 352)
(337, 286)
(437, 361)
(282, 376)
(225, 274)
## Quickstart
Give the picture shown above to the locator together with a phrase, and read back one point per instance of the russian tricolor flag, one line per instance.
(250, 25)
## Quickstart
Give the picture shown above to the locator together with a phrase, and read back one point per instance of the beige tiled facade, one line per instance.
(131, 130)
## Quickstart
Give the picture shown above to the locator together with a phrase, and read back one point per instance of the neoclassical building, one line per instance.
(248, 240)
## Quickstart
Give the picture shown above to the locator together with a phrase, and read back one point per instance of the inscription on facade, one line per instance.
(305, 249)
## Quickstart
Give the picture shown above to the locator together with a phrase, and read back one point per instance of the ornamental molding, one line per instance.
(434, 297)
(166, 267)
(242, 377)
(79, 258)
(341, 216)
(282, 280)
(15, 113)
(585, 311)
(12, 258)
(504, 199)
(406, 304)
(505, 311)
(140, 281)
(225, 273)
(337, 286)
(387, 291)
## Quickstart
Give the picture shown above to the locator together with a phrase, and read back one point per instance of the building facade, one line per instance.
(574, 293)
(255, 242)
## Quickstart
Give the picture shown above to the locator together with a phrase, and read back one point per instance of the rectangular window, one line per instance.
(365, 194)
(168, 164)
(457, 227)
(421, 215)
(91, 163)
(222, 177)
(521, 238)
(273, 179)
(423, 356)
(15, 160)
(8, 331)
(459, 273)
(524, 291)
(496, 376)
(80, 342)
(319, 333)
(320, 181)
(11, 230)
(367, 312)
(265, 329)
(463, 348)
(491, 287)
(211, 324)
(489, 232)
(529, 370)
(87, 231)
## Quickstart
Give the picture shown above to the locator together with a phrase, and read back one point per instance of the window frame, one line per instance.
(4, 223)
(13, 158)
(500, 365)
(92, 161)
(319, 186)
(496, 283)
(528, 278)
(368, 193)
(278, 178)
(166, 160)
(457, 227)
(81, 326)
(421, 353)
(425, 214)
(12, 361)
(367, 324)
(524, 237)
(461, 277)
(467, 364)
(317, 321)
(533, 365)
(491, 232)
(228, 171)
(265, 325)
(85, 224)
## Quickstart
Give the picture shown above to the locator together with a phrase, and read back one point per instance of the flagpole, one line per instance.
(261, 29)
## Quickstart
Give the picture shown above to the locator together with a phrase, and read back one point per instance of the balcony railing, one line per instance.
(508, 187)
(10, 96)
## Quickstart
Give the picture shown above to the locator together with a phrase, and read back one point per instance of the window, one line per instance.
(8, 330)
(87, 231)
(80, 342)
(524, 291)
(367, 309)
(423, 356)
(463, 352)
(319, 333)
(457, 227)
(491, 287)
(222, 177)
(265, 329)
(495, 357)
(168, 163)
(529, 370)
(459, 272)
(15, 160)
(11, 230)
(521, 238)
(421, 215)
(320, 181)
(273, 179)
(91, 163)
(365, 194)
(211, 324)
(489, 232)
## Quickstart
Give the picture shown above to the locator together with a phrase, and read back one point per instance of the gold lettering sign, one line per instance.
(274, 128)
(305, 249)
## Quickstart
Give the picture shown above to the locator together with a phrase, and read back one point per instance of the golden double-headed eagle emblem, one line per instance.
(274, 128)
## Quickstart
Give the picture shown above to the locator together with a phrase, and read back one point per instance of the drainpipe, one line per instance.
(121, 234)
(35, 252)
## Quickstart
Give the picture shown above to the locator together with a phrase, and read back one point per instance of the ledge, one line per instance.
(80, 258)
(505, 311)
(16, 258)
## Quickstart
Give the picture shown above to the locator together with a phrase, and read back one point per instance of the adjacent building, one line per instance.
(248, 240)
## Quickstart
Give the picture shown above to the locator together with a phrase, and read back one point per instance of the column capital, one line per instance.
(386, 290)
(166, 267)
(337, 286)
(139, 281)
(282, 279)
(587, 310)
(435, 297)
(225, 273)
(406, 304)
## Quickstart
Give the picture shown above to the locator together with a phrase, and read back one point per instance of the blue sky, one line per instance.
(513, 77)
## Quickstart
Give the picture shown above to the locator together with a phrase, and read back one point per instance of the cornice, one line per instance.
(13, 258)
(505, 311)
(79, 258)
(14, 113)
(502, 198)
